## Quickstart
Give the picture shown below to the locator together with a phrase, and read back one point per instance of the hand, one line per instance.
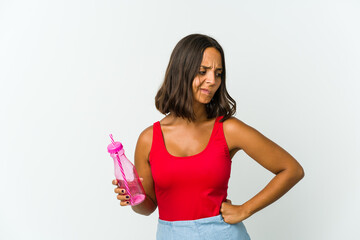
(233, 213)
(122, 196)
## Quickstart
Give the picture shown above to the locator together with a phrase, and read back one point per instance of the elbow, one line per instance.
(299, 173)
(145, 212)
(294, 173)
(145, 208)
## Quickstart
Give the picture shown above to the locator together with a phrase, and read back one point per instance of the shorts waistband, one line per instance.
(216, 218)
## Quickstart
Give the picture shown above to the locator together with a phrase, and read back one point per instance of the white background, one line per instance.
(74, 71)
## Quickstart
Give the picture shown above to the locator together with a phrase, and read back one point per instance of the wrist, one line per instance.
(245, 211)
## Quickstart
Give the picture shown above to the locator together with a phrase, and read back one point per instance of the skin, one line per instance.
(238, 135)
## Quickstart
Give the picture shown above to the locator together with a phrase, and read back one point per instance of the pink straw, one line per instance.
(123, 175)
(113, 142)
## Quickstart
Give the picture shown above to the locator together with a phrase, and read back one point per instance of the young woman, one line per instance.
(185, 158)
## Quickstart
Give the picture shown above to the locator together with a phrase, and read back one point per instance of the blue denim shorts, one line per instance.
(211, 228)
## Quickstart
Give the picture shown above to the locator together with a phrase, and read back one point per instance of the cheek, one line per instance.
(218, 85)
(196, 83)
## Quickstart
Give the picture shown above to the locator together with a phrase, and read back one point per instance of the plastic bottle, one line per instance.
(126, 174)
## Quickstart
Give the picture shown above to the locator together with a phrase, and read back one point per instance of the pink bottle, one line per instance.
(126, 174)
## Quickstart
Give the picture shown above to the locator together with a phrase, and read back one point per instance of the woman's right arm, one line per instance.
(142, 166)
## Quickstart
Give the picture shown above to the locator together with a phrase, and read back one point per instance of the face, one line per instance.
(208, 80)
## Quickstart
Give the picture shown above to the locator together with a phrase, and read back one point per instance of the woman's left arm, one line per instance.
(268, 154)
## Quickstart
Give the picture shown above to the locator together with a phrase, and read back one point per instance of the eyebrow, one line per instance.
(210, 67)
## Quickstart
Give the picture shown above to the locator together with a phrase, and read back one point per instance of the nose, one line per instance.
(210, 78)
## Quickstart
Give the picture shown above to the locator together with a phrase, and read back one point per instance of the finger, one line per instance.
(119, 190)
(222, 207)
(225, 219)
(123, 197)
(124, 203)
(114, 182)
(228, 201)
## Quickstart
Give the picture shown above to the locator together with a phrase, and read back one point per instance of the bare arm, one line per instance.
(142, 166)
(268, 154)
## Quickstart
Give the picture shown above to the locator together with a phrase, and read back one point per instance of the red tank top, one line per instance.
(193, 187)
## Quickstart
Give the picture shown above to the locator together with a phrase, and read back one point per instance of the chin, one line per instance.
(205, 101)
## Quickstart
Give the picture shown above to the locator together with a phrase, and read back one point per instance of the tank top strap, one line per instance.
(218, 137)
(218, 119)
(157, 135)
(156, 145)
(217, 126)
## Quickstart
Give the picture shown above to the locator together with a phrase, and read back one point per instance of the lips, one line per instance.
(205, 91)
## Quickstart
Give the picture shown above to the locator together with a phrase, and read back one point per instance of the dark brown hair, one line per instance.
(175, 95)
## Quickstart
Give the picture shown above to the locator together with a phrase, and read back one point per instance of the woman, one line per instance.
(185, 158)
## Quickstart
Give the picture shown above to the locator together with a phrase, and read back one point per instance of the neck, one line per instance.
(200, 112)
(200, 115)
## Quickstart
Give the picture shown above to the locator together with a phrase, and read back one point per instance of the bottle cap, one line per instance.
(114, 147)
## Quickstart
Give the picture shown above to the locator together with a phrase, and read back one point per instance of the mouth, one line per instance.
(205, 91)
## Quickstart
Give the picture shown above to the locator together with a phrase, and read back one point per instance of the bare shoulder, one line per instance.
(145, 139)
(233, 124)
(143, 146)
(238, 133)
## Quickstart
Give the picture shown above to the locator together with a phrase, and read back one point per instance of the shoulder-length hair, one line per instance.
(175, 95)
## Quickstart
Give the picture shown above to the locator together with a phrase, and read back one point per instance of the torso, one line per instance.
(183, 153)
